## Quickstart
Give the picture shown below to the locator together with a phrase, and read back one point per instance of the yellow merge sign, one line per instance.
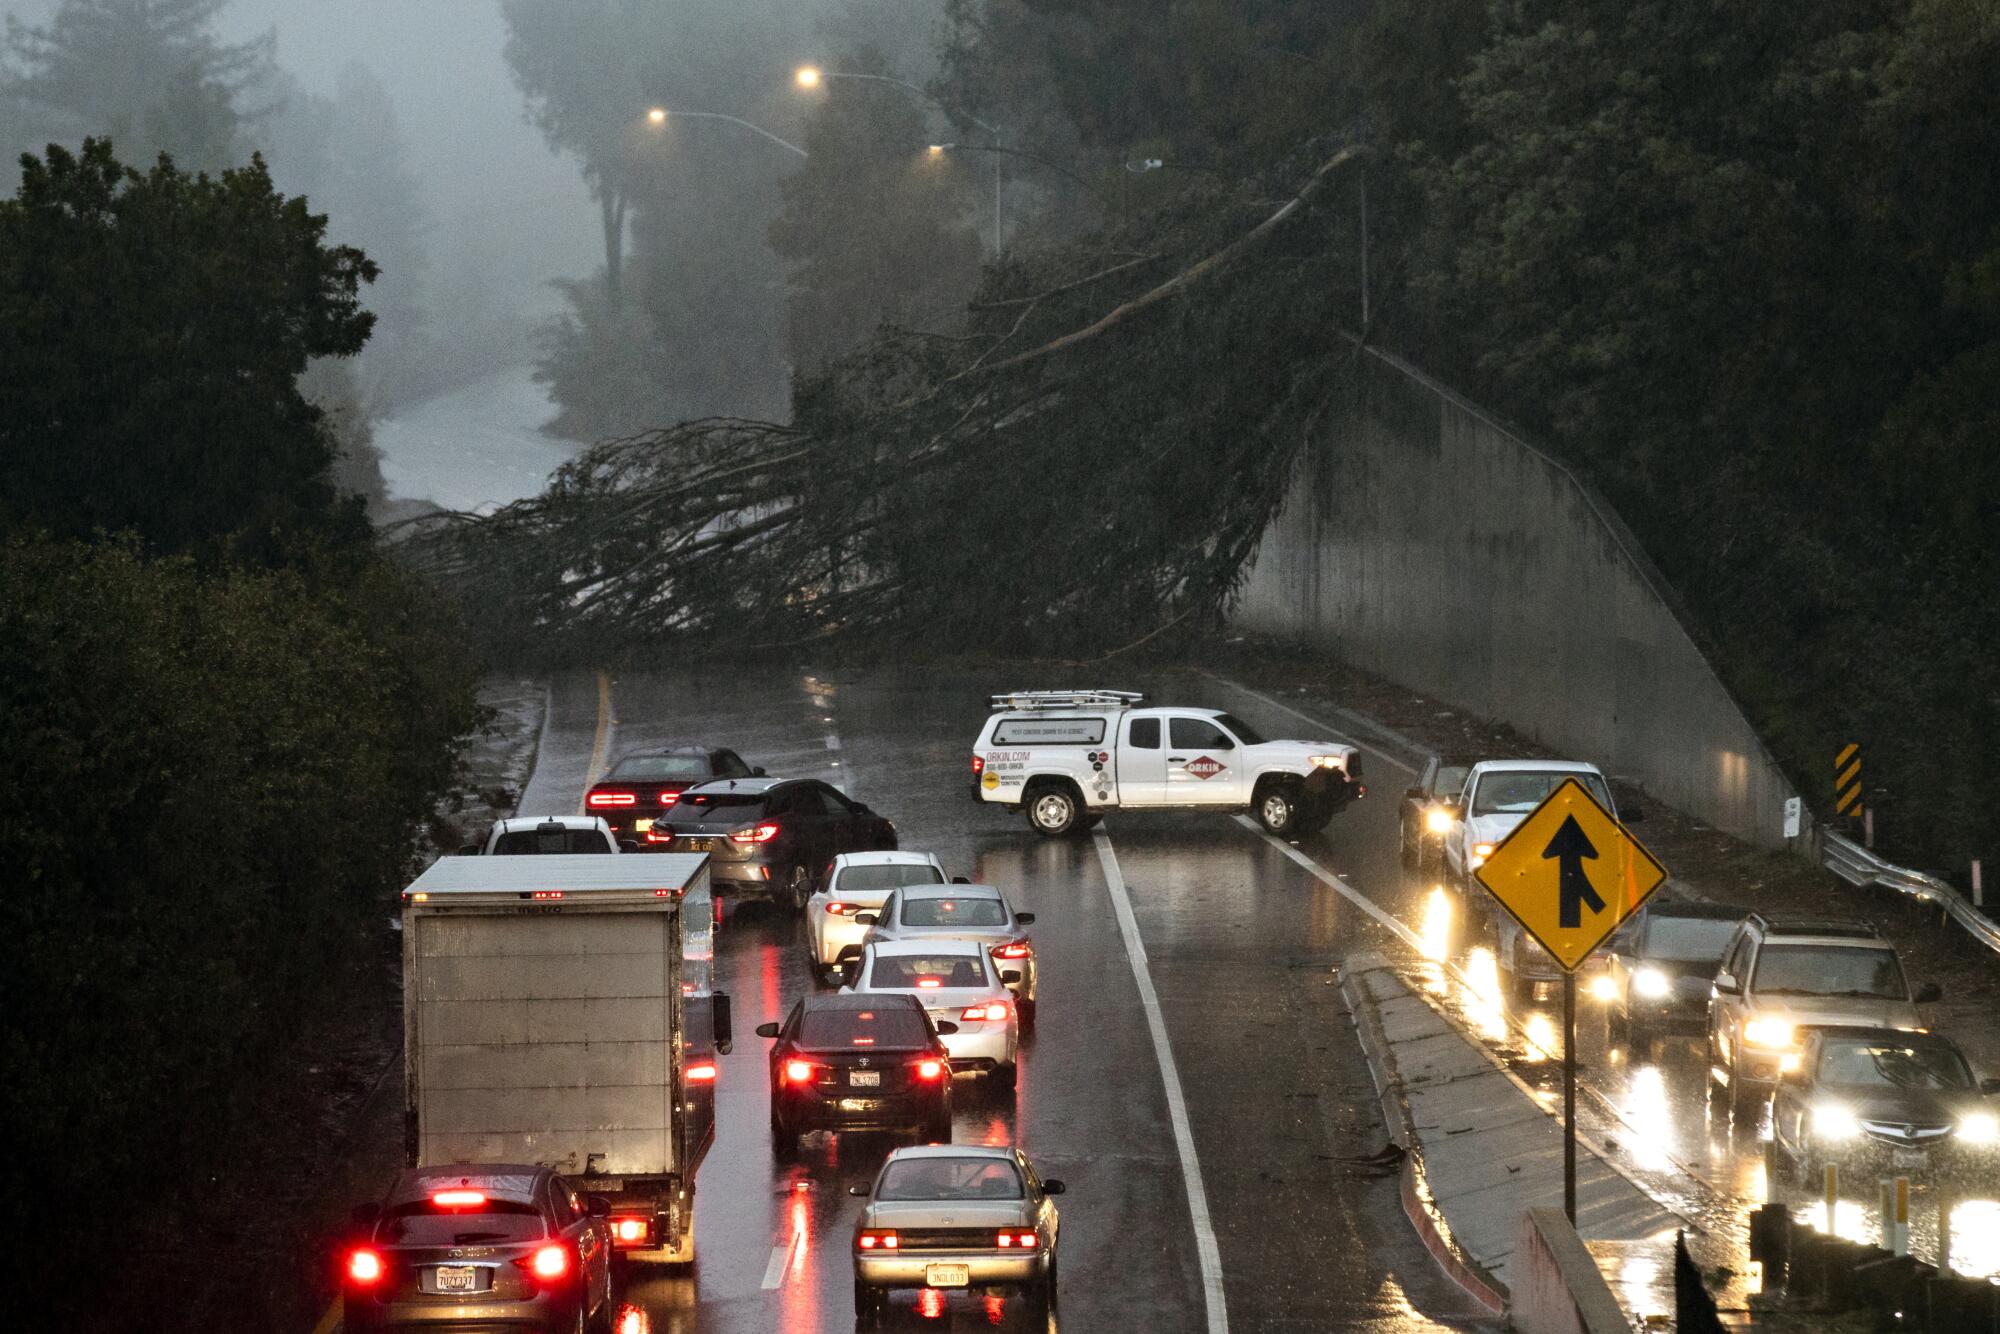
(1570, 873)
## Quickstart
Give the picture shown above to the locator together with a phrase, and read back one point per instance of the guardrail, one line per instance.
(1858, 866)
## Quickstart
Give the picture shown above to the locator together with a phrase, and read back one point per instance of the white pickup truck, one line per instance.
(1067, 756)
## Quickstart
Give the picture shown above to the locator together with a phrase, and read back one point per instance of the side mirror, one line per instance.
(961, 880)
(628, 845)
(1025, 918)
(1989, 1086)
(758, 772)
(1725, 985)
(598, 1206)
(469, 850)
(866, 918)
(364, 1215)
(1415, 794)
(1929, 993)
(1053, 1186)
(859, 1188)
(767, 1030)
(724, 1018)
(1010, 975)
(946, 1028)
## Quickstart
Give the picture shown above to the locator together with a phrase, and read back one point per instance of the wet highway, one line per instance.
(1241, 937)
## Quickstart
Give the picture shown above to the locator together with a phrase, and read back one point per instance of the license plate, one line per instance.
(699, 844)
(864, 1079)
(947, 1276)
(1911, 1158)
(642, 825)
(457, 1278)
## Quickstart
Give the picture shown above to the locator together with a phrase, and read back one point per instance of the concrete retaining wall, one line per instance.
(1557, 1288)
(1426, 543)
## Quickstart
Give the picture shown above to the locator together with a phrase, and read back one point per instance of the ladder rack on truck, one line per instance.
(1022, 701)
(558, 1009)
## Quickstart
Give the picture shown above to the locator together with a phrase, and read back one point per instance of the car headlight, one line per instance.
(1438, 820)
(1830, 1120)
(1651, 983)
(1328, 761)
(1603, 988)
(1770, 1034)
(1979, 1128)
(1480, 852)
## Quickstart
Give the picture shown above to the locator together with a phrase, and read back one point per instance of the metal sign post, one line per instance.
(1569, 1096)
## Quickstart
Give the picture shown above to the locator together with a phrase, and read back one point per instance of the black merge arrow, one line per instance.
(1571, 845)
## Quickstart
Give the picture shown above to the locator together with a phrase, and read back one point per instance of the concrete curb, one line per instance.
(1424, 1216)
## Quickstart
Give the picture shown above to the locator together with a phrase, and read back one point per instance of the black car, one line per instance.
(848, 1062)
(767, 837)
(484, 1246)
(1422, 816)
(1660, 968)
(1878, 1100)
(642, 785)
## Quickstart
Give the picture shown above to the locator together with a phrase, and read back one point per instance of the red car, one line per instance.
(643, 785)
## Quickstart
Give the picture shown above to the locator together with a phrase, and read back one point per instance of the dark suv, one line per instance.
(1876, 1100)
(767, 837)
(643, 785)
(1661, 967)
(851, 1062)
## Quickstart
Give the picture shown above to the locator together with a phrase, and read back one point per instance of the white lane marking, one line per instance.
(1206, 1250)
(774, 1272)
(832, 741)
(1345, 890)
(1338, 734)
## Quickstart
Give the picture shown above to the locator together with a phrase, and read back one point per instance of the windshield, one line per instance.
(950, 1179)
(857, 879)
(1928, 1065)
(662, 766)
(954, 912)
(1518, 793)
(555, 840)
(832, 1029)
(1829, 970)
(1450, 780)
(1241, 730)
(903, 972)
(424, 1224)
(1688, 939)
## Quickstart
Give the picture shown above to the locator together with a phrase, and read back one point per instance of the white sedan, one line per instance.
(955, 980)
(856, 883)
(978, 913)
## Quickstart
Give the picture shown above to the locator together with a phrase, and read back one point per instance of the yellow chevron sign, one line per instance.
(1847, 780)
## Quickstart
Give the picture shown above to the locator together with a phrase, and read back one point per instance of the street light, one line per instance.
(657, 118)
(658, 115)
(808, 76)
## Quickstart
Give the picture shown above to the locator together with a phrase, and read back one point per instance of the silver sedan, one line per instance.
(955, 1216)
(856, 883)
(978, 913)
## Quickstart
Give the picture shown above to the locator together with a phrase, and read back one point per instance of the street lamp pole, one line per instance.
(659, 116)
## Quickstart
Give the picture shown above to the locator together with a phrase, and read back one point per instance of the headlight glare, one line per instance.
(1651, 983)
(1769, 1034)
(1327, 761)
(1603, 988)
(1480, 852)
(1979, 1128)
(1438, 820)
(1830, 1120)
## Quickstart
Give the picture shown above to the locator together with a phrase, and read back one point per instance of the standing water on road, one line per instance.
(474, 448)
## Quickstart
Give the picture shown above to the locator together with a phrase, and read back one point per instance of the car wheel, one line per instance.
(784, 1141)
(937, 1130)
(1278, 809)
(798, 888)
(1054, 811)
(1409, 852)
(868, 1303)
(1027, 1010)
(1004, 1076)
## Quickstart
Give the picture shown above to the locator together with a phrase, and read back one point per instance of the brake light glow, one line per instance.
(669, 798)
(548, 893)
(550, 1262)
(930, 1069)
(660, 833)
(991, 1011)
(840, 909)
(872, 1240)
(458, 1199)
(629, 1231)
(1008, 1240)
(762, 833)
(1014, 949)
(613, 799)
(364, 1266)
(703, 1073)
(930, 983)
(799, 1072)
(978, 765)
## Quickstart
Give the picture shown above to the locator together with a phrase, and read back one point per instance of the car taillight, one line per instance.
(364, 1267)
(990, 1011)
(800, 1072)
(703, 1073)
(549, 1262)
(614, 799)
(1008, 1240)
(458, 1199)
(669, 798)
(660, 833)
(978, 765)
(762, 833)
(872, 1240)
(630, 1231)
(1014, 949)
(840, 909)
(930, 1069)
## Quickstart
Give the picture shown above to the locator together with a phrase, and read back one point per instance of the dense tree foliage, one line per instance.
(154, 328)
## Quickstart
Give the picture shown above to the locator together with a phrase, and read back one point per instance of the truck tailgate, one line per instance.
(543, 1038)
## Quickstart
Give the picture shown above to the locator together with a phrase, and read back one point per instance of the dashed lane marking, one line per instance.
(1206, 1251)
(330, 1321)
(600, 743)
(781, 1254)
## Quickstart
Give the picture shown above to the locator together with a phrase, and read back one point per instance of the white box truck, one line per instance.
(559, 1010)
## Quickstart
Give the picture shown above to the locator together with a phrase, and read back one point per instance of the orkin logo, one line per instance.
(1204, 767)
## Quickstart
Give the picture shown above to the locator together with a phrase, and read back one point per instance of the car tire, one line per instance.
(1004, 1076)
(868, 1303)
(937, 1130)
(798, 888)
(1054, 810)
(1409, 853)
(1278, 807)
(784, 1141)
(1027, 1012)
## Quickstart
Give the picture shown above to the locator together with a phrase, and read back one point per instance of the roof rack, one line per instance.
(1069, 699)
(1814, 926)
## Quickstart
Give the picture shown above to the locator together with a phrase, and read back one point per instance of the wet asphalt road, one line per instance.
(1242, 938)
